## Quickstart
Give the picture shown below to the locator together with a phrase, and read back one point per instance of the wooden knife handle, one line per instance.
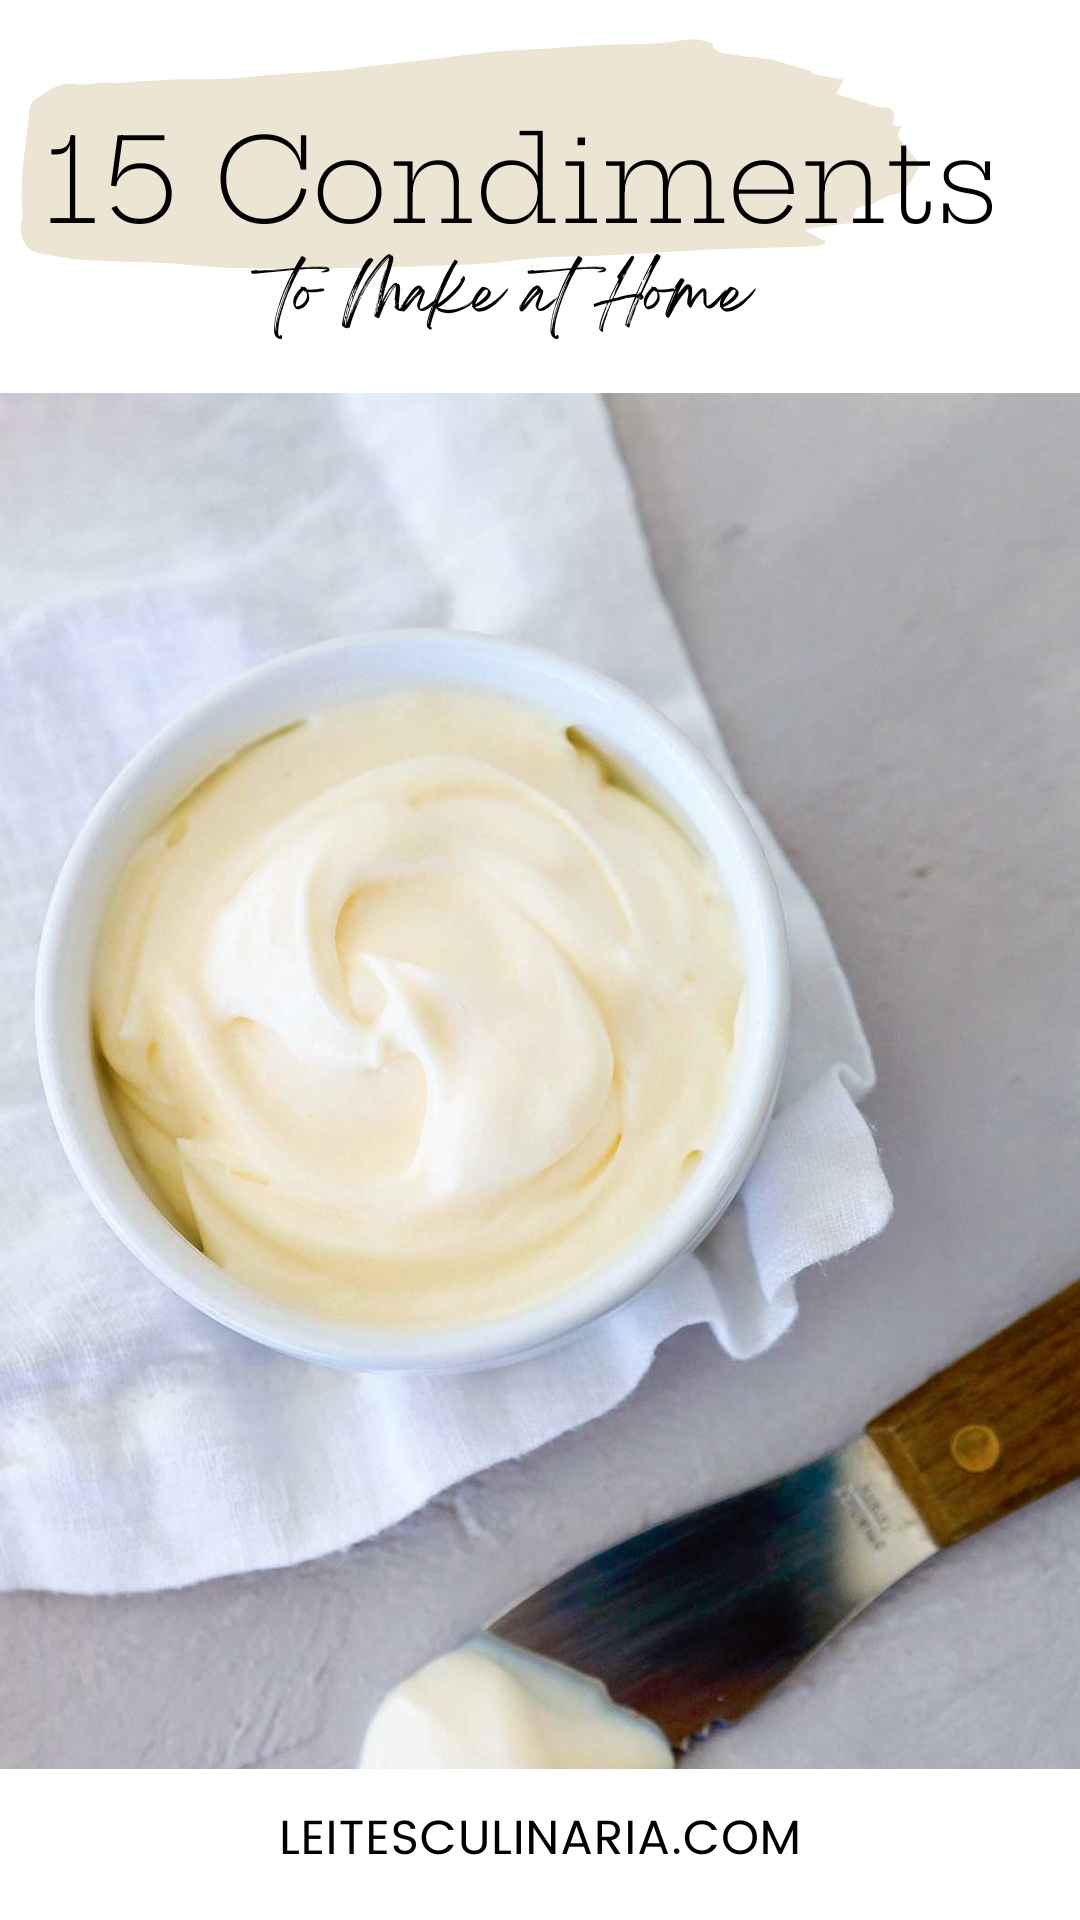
(997, 1429)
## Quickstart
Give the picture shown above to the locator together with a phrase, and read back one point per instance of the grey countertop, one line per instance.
(880, 595)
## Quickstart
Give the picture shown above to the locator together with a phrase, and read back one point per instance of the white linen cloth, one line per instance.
(150, 549)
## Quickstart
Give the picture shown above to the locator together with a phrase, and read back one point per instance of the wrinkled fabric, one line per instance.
(151, 549)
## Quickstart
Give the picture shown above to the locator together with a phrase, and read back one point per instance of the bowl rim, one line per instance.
(349, 669)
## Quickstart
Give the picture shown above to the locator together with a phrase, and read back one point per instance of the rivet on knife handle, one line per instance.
(995, 1430)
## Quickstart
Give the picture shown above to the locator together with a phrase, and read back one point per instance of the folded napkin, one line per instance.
(152, 548)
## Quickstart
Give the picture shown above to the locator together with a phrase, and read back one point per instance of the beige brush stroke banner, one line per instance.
(667, 103)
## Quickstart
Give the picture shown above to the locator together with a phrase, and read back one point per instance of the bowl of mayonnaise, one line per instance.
(414, 1001)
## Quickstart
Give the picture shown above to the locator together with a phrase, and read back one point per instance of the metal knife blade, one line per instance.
(694, 1621)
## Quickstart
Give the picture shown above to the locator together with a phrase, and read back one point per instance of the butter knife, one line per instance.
(696, 1620)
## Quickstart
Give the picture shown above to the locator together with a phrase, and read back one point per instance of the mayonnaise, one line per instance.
(412, 1014)
(491, 1705)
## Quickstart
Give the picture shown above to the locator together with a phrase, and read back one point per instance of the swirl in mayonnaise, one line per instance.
(413, 1014)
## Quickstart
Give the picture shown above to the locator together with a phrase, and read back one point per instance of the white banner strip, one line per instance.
(332, 1843)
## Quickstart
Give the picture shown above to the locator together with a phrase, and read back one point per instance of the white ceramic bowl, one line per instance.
(286, 690)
